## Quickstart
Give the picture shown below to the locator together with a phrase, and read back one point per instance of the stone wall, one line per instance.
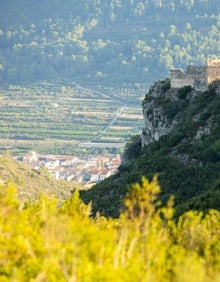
(213, 70)
(196, 76)
(179, 79)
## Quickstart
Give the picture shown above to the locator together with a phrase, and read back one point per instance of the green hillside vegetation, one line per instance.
(104, 41)
(188, 167)
(43, 242)
(31, 183)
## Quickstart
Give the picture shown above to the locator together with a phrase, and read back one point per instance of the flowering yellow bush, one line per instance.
(45, 242)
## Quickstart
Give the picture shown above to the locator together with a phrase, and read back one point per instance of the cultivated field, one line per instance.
(61, 117)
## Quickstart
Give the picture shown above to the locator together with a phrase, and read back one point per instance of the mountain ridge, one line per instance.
(186, 156)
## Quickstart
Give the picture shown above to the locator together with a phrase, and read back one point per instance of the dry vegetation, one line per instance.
(30, 184)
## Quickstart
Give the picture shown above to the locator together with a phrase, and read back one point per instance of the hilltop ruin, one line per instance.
(199, 77)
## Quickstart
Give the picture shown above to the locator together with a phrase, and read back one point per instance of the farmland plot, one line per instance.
(56, 115)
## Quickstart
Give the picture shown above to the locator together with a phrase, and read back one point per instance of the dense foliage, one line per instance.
(187, 159)
(104, 41)
(43, 242)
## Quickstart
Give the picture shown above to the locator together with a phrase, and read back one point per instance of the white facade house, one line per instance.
(30, 158)
(52, 164)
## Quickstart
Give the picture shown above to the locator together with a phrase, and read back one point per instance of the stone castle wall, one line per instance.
(213, 70)
(196, 76)
(179, 79)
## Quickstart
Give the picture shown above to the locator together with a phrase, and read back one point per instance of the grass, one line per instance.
(31, 184)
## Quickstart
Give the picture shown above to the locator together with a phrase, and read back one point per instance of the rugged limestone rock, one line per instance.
(161, 108)
(187, 159)
(156, 121)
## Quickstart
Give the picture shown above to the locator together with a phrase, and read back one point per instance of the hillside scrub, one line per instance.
(44, 242)
(187, 158)
(30, 183)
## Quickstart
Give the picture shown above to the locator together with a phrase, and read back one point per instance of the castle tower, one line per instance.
(213, 69)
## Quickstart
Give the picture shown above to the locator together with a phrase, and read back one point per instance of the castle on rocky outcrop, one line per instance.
(199, 77)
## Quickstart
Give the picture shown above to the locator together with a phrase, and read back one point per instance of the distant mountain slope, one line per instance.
(104, 41)
(186, 157)
(31, 184)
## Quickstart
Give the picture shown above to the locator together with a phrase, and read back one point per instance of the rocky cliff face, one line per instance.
(160, 108)
(156, 122)
(186, 159)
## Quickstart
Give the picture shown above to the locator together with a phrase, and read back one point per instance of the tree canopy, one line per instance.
(111, 41)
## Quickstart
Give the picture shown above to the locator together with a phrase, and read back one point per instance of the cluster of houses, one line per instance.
(70, 168)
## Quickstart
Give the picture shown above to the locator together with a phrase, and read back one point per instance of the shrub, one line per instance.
(43, 242)
(182, 93)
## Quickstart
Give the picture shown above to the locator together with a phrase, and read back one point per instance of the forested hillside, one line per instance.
(104, 41)
(186, 159)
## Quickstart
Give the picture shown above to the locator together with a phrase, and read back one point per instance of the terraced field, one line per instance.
(60, 117)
